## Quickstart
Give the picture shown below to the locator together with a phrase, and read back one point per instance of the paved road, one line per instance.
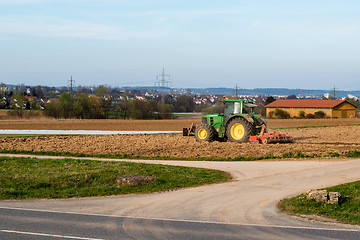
(30, 224)
(250, 199)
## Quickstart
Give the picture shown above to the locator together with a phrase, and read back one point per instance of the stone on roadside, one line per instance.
(334, 197)
(318, 195)
(324, 196)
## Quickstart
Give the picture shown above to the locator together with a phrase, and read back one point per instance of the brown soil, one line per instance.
(340, 139)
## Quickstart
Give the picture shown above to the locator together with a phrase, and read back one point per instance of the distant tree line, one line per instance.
(92, 103)
(102, 105)
(95, 107)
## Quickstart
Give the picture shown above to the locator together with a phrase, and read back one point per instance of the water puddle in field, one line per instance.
(78, 132)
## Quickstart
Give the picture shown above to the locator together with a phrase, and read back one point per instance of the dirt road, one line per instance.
(250, 199)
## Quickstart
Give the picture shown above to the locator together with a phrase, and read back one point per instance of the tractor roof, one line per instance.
(238, 100)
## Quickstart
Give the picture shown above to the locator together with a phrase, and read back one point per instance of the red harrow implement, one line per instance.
(270, 136)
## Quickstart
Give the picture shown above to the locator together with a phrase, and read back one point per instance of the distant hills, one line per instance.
(260, 91)
(242, 91)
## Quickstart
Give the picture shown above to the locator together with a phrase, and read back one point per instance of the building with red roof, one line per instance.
(332, 108)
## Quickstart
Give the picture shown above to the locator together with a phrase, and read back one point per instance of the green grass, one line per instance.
(346, 212)
(288, 155)
(31, 178)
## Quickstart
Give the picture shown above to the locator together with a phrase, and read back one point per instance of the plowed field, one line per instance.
(339, 139)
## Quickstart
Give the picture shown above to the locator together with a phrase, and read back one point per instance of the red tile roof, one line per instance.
(303, 103)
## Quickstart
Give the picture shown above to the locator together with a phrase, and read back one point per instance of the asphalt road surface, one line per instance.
(242, 209)
(30, 224)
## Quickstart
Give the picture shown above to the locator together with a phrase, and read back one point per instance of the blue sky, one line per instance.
(308, 44)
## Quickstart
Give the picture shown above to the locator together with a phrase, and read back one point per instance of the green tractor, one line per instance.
(238, 123)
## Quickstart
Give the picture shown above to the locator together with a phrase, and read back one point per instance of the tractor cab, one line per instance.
(240, 108)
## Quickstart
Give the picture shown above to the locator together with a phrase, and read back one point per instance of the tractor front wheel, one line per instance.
(238, 130)
(204, 132)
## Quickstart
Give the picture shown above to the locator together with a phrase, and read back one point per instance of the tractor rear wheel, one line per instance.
(204, 132)
(238, 130)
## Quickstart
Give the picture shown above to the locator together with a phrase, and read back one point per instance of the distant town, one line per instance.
(143, 102)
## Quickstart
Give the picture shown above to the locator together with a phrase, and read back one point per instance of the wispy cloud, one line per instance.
(24, 2)
(69, 29)
(161, 20)
(345, 30)
(255, 24)
(205, 13)
(20, 2)
(318, 31)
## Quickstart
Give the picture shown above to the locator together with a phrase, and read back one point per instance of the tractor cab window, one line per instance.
(237, 108)
(246, 109)
(229, 109)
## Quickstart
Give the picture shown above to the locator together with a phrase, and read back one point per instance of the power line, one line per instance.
(71, 83)
(163, 82)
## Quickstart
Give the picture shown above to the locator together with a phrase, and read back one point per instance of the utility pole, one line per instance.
(162, 82)
(334, 93)
(71, 83)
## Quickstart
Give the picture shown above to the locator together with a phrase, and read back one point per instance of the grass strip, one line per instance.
(288, 155)
(348, 211)
(32, 178)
